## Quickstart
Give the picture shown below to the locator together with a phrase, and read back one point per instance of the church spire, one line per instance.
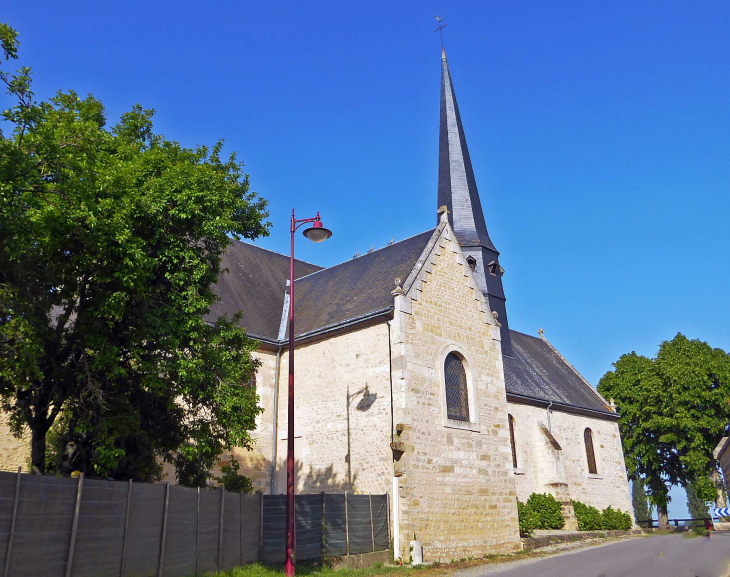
(457, 189)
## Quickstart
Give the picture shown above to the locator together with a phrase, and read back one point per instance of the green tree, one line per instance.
(696, 506)
(674, 410)
(111, 241)
(696, 384)
(636, 388)
(642, 510)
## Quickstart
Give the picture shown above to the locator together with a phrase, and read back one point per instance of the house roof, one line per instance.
(356, 288)
(537, 371)
(255, 285)
(361, 288)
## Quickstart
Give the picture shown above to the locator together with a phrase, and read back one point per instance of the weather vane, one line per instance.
(440, 30)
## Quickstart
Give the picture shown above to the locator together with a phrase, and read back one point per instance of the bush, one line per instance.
(528, 521)
(589, 518)
(547, 510)
(615, 520)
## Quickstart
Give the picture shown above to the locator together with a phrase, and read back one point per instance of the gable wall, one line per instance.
(536, 461)
(455, 491)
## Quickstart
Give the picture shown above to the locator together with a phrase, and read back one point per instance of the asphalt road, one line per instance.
(659, 556)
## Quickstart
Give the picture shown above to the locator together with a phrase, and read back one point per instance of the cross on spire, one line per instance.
(440, 30)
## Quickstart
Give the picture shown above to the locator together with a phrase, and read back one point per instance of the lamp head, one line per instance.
(317, 233)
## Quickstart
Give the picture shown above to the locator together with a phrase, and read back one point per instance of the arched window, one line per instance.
(457, 393)
(251, 382)
(590, 455)
(511, 420)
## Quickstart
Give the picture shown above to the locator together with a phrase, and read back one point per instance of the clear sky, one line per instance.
(599, 134)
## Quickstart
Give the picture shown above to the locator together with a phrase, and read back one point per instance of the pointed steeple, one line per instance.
(457, 189)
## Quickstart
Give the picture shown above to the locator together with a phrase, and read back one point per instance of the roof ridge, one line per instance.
(364, 255)
(276, 253)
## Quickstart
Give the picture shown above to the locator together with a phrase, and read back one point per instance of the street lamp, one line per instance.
(315, 233)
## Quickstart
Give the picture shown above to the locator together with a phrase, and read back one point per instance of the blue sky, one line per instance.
(599, 134)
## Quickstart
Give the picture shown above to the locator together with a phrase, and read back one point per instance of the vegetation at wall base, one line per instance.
(547, 510)
(610, 519)
(527, 519)
(111, 245)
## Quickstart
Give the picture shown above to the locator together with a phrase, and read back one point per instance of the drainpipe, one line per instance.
(550, 427)
(276, 414)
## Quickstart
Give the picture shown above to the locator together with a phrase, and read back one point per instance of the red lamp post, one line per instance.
(315, 233)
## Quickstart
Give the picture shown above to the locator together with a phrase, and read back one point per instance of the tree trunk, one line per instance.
(720, 500)
(38, 451)
(663, 517)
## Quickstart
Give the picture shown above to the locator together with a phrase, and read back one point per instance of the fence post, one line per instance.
(240, 525)
(323, 529)
(164, 531)
(220, 528)
(387, 516)
(197, 534)
(261, 523)
(74, 526)
(372, 526)
(347, 528)
(12, 525)
(126, 529)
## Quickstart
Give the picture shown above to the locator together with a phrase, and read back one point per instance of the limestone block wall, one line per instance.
(456, 493)
(342, 416)
(537, 465)
(14, 452)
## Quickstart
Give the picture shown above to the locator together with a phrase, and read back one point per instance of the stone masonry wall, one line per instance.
(539, 468)
(456, 494)
(342, 416)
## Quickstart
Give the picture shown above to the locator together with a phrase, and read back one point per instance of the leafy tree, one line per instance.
(642, 511)
(232, 480)
(696, 506)
(674, 410)
(111, 241)
(696, 382)
(637, 389)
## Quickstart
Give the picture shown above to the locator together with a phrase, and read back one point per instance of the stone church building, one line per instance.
(410, 381)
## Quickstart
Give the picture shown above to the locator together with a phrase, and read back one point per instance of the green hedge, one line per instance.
(547, 510)
(527, 518)
(591, 519)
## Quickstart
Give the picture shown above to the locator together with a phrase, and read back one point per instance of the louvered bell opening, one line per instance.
(457, 394)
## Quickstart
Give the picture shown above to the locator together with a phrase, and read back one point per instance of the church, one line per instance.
(410, 381)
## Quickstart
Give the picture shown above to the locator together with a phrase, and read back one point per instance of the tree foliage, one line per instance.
(111, 242)
(696, 506)
(642, 510)
(674, 410)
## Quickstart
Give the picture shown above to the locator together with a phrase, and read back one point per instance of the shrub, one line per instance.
(547, 510)
(528, 521)
(589, 518)
(615, 520)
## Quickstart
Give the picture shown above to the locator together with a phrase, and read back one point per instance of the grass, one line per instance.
(257, 570)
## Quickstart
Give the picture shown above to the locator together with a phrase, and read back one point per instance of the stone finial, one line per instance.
(398, 289)
(444, 212)
(357, 254)
(542, 333)
(495, 316)
(371, 249)
(612, 404)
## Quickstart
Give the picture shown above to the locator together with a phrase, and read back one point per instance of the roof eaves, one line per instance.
(564, 407)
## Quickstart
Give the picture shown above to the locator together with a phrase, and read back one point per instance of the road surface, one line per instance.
(657, 556)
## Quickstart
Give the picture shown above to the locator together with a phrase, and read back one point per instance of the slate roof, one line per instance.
(355, 288)
(255, 285)
(536, 371)
(361, 287)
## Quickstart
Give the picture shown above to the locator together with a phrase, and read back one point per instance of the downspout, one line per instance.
(274, 444)
(280, 338)
(395, 499)
(550, 427)
(390, 374)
